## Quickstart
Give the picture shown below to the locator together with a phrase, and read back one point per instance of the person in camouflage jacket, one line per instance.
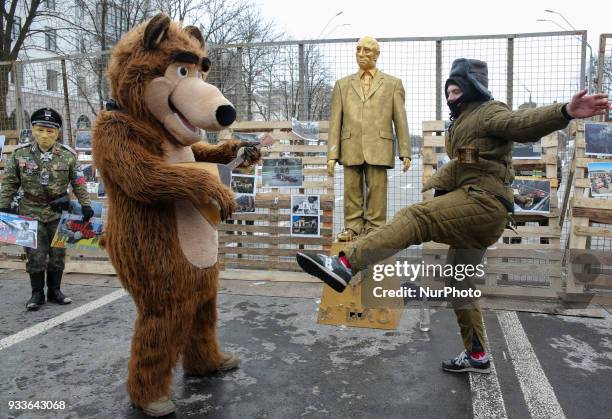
(44, 169)
(473, 197)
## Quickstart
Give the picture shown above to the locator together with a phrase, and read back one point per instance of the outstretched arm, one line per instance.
(224, 152)
(145, 177)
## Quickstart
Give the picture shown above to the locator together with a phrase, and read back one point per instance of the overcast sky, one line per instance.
(393, 18)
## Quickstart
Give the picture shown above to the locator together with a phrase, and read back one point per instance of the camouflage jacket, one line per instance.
(492, 127)
(30, 169)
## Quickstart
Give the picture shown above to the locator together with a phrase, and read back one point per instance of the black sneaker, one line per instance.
(329, 269)
(465, 363)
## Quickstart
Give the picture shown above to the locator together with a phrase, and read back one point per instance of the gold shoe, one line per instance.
(347, 235)
(160, 407)
(230, 362)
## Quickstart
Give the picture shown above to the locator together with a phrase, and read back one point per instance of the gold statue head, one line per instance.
(367, 53)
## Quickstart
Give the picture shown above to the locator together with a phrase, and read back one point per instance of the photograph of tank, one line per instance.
(282, 173)
(600, 177)
(243, 184)
(531, 195)
(305, 225)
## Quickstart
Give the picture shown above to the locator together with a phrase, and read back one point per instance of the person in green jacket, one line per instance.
(44, 169)
(473, 198)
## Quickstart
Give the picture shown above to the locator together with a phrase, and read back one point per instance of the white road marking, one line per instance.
(62, 318)
(487, 399)
(538, 393)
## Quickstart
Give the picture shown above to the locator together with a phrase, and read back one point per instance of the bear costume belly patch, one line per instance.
(198, 238)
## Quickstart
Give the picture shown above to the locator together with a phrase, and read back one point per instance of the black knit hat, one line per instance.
(472, 77)
(47, 117)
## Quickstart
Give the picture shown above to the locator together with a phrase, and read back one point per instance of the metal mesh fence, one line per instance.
(278, 81)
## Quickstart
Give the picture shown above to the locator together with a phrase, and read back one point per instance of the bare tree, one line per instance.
(12, 39)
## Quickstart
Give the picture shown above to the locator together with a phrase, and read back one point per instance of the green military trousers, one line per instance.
(468, 219)
(37, 258)
(375, 214)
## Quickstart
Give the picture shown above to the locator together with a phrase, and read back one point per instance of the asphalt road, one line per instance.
(545, 366)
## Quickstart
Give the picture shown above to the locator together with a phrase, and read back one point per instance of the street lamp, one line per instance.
(328, 22)
(336, 27)
(562, 17)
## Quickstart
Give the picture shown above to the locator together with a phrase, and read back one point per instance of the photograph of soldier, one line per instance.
(365, 108)
(43, 169)
(472, 199)
(282, 173)
(243, 184)
(245, 204)
(24, 236)
(305, 204)
(83, 141)
(305, 225)
(531, 195)
(598, 139)
(600, 176)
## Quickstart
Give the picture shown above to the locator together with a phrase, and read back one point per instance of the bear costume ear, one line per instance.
(156, 31)
(195, 33)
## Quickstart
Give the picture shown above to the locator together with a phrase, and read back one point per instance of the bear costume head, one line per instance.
(157, 74)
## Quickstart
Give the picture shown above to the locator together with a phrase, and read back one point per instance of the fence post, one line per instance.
(601, 60)
(241, 105)
(439, 79)
(301, 84)
(510, 73)
(18, 72)
(583, 60)
(67, 124)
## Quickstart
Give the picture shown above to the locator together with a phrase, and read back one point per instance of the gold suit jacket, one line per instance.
(361, 126)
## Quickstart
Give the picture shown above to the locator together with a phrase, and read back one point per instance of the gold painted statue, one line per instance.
(365, 108)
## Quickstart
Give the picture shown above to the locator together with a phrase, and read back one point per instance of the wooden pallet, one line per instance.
(525, 263)
(251, 241)
(590, 233)
(262, 240)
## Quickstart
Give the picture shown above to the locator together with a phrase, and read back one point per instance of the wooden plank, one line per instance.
(583, 162)
(592, 203)
(271, 276)
(272, 218)
(274, 239)
(263, 264)
(593, 231)
(516, 268)
(434, 141)
(258, 251)
(544, 160)
(288, 148)
(602, 216)
(433, 125)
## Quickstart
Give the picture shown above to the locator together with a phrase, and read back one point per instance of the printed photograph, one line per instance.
(305, 204)
(25, 136)
(88, 172)
(2, 140)
(245, 204)
(251, 137)
(600, 177)
(526, 151)
(305, 225)
(73, 233)
(101, 190)
(598, 139)
(305, 129)
(243, 184)
(282, 173)
(83, 140)
(18, 230)
(531, 195)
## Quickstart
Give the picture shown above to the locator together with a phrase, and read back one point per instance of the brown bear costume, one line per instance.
(163, 250)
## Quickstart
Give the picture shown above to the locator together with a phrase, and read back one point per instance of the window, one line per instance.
(52, 76)
(50, 4)
(16, 29)
(81, 86)
(83, 122)
(50, 39)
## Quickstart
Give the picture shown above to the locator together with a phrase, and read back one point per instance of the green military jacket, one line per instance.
(492, 127)
(58, 167)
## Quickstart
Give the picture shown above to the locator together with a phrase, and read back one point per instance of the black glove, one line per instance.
(88, 212)
(7, 210)
(61, 204)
